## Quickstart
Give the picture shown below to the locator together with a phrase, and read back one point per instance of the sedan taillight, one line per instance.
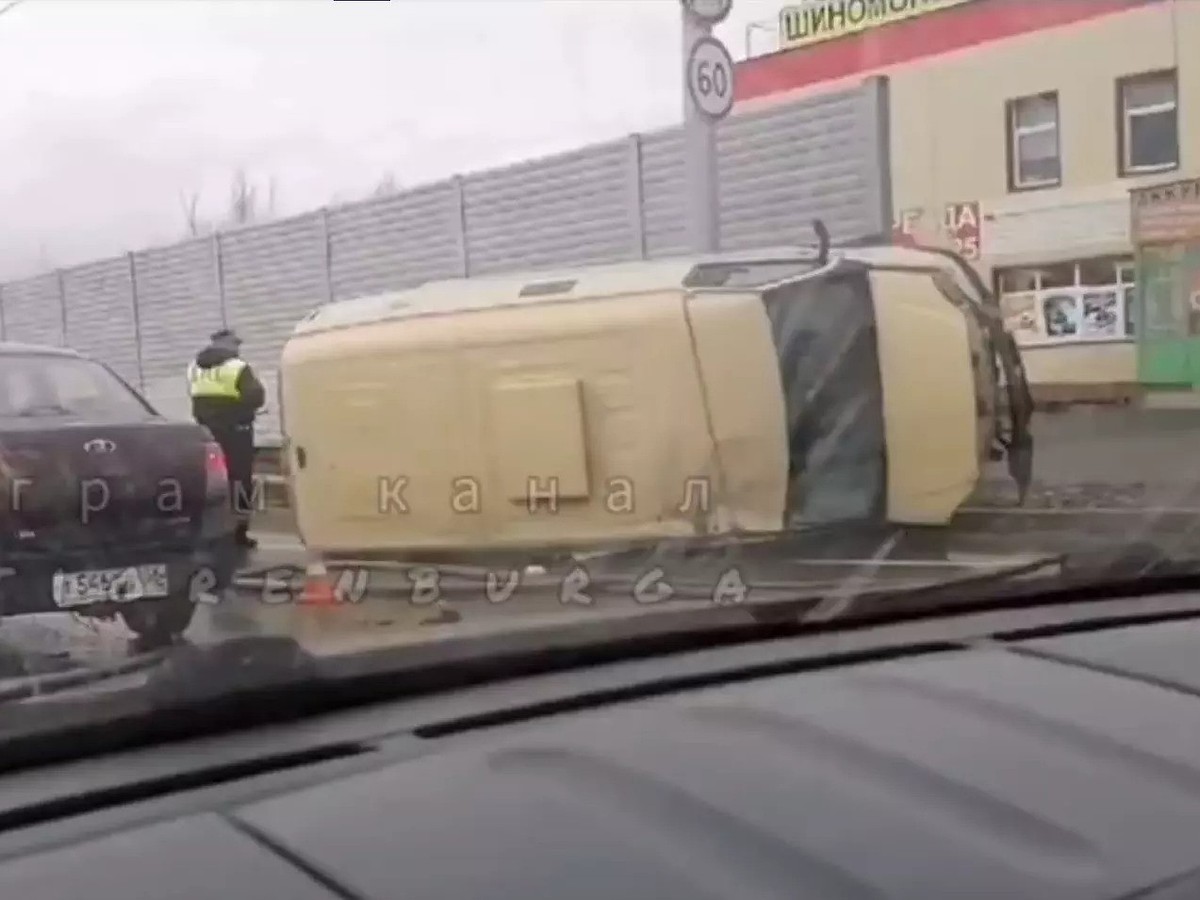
(216, 470)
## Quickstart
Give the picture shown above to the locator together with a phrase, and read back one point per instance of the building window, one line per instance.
(1081, 300)
(1033, 147)
(1148, 123)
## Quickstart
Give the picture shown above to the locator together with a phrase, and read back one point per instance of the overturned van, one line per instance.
(740, 393)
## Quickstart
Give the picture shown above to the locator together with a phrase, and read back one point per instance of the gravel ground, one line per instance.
(1108, 458)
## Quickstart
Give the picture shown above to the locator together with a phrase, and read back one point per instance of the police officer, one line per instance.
(226, 395)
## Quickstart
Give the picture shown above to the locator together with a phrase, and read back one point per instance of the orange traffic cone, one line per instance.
(318, 589)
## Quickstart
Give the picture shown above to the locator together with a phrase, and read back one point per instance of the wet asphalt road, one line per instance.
(393, 605)
(1112, 458)
(1125, 463)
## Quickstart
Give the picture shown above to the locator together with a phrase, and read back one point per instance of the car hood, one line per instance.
(1064, 767)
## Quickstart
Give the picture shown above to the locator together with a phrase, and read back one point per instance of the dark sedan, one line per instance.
(108, 507)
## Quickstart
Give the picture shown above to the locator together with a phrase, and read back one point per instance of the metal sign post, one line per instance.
(708, 98)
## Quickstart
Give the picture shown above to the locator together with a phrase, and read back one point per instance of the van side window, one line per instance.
(824, 334)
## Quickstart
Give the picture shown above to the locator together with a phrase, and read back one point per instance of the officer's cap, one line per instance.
(225, 335)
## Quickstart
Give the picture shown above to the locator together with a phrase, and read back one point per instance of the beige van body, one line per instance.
(607, 405)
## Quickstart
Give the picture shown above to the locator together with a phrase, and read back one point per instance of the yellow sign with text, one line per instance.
(825, 20)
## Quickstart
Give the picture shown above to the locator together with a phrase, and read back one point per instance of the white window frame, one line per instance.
(1017, 131)
(1123, 279)
(1128, 113)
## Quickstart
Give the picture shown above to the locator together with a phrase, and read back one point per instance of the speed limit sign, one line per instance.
(710, 77)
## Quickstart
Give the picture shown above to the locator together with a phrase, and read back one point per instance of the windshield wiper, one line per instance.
(1080, 576)
(25, 687)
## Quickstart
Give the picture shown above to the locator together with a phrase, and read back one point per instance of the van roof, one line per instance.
(584, 282)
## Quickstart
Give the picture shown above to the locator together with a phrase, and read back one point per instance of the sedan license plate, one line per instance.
(109, 585)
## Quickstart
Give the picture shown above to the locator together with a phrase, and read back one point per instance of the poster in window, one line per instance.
(1020, 316)
(1061, 314)
(1101, 316)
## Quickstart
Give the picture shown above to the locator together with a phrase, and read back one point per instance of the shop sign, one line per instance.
(962, 227)
(906, 227)
(817, 21)
(1166, 212)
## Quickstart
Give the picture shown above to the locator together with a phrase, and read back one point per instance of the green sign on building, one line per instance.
(1165, 226)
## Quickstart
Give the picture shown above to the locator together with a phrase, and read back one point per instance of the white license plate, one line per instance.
(109, 585)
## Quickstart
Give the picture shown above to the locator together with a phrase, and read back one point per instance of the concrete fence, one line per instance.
(146, 313)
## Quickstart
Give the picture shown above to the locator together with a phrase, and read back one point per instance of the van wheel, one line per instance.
(159, 623)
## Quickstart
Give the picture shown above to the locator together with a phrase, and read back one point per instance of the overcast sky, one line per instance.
(113, 109)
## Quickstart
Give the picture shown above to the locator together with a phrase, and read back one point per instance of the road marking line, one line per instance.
(279, 542)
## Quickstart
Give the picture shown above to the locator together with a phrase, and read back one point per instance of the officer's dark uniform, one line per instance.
(225, 396)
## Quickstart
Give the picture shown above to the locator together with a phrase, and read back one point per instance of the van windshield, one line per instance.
(824, 334)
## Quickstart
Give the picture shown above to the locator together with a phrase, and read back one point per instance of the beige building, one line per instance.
(1023, 126)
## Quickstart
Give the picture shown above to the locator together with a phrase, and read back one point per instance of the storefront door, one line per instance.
(1164, 344)
(1165, 226)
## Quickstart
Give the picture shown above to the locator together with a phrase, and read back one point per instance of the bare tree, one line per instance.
(191, 221)
(243, 200)
(272, 196)
(248, 202)
(386, 186)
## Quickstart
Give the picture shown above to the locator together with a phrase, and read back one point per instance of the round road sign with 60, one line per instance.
(710, 77)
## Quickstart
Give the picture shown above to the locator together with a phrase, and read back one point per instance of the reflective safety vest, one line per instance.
(219, 381)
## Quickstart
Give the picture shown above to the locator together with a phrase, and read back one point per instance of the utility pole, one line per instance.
(708, 98)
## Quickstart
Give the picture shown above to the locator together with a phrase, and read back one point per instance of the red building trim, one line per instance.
(940, 32)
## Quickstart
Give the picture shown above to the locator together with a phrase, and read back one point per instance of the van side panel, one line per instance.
(928, 396)
(740, 376)
(594, 407)
(368, 434)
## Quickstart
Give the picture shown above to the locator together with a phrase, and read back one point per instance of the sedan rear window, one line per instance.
(41, 385)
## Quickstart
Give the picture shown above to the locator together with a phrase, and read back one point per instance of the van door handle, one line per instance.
(301, 458)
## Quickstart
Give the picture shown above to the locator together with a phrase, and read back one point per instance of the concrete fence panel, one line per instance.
(100, 316)
(566, 210)
(179, 305)
(397, 242)
(33, 310)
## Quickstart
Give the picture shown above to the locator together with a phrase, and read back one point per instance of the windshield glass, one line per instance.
(48, 385)
(622, 309)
